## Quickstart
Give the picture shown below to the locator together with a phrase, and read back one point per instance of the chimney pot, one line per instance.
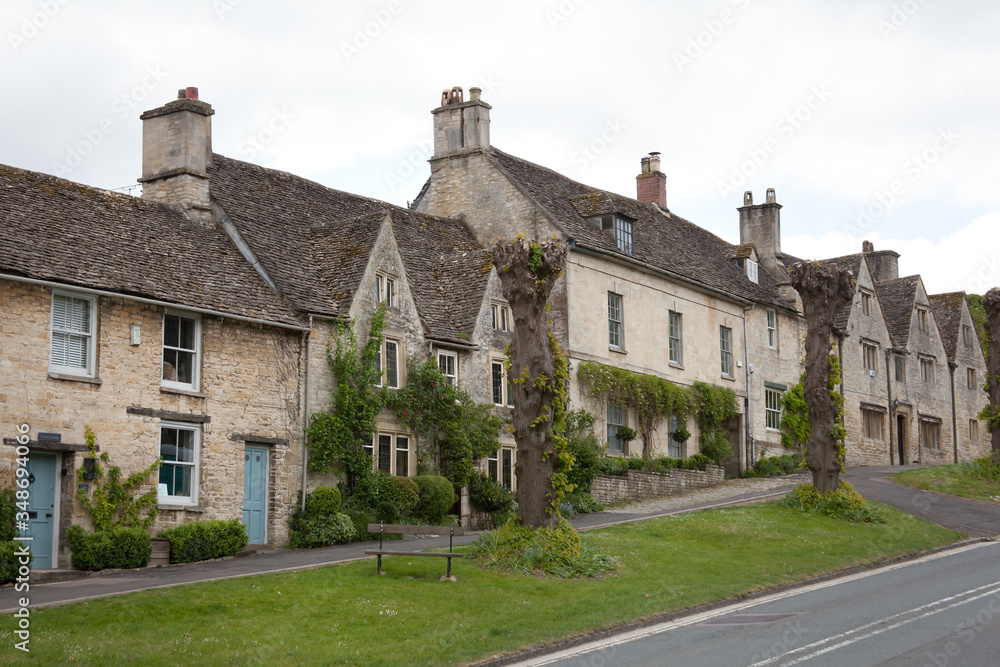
(645, 165)
(748, 198)
(180, 94)
(770, 198)
(654, 162)
(191, 92)
(475, 94)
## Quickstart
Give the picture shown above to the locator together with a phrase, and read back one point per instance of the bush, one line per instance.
(988, 467)
(116, 548)
(437, 495)
(557, 551)
(579, 503)
(8, 514)
(585, 447)
(699, 460)
(612, 465)
(201, 540)
(844, 503)
(360, 519)
(9, 560)
(322, 523)
(636, 464)
(401, 492)
(489, 496)
(663, 464)
(324, 500)
(776, 465)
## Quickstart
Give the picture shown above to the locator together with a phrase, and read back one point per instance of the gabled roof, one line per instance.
(897, 297)
(947, 310)
(661, 239)
(64, 232)
(315, 243)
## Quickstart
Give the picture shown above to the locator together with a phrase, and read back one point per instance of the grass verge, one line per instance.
(957, 479)
(348, 615)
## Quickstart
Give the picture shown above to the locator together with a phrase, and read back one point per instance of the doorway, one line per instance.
(42, 515)
(255, 493)
(901, 438)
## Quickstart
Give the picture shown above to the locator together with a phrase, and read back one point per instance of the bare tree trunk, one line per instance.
(528, 271)
(824, 292)
(991, 304)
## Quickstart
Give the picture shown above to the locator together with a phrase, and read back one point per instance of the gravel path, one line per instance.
(728, 489)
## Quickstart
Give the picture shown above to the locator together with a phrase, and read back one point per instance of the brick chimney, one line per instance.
(176, 153)
(651, 184)
(461, 126)
(761, 226)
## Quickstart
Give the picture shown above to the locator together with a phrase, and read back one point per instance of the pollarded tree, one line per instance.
(539, 374)
(824, 292)
(991, 414)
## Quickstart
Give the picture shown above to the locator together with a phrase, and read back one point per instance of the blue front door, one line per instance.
(42, 508)
(255, 493)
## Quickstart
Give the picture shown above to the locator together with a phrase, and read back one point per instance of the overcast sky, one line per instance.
(871, 119)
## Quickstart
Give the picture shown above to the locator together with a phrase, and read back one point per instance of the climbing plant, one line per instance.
(713, 407)
(116, 503)
(795, 428)
(337, 437)
(452, 430)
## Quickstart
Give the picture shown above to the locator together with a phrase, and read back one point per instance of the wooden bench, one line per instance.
(397, 529)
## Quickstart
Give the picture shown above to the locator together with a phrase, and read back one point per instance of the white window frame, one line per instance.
(753, 270)
(449, 369)
(502, 320)
(616, 321)
(496, 470)
(620, 415)
(726, 350)
(384, 358)
(772, 409)
(772, 328)
(195, 465)
(506, 394)
(674, 449)
(385, 290)
(675, 337)
(89, 336)
(389, 450)
(196, 351)
(624, 235)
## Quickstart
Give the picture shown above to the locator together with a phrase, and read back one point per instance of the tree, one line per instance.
(824, 293)
(337, 437)
(452, 430)
(991, 413)
(539, 373)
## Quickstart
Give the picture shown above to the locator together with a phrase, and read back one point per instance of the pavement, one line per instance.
(978, 519)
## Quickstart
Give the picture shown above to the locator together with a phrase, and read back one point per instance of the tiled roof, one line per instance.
(947, 310)
(897, 297)
(661, 239)
(64, 232)
(315, 243)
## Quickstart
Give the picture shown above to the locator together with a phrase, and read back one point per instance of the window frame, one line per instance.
(384, 364)
(624, 234)
(967, 337)
(452, 358)
(500, 467)
(772, 328)
(616, 327)
(752, 270)
(899, 367)
(615, 444)
(866, 302)
(89, 370)
(506, 394)
(675, 338)
(502, 320)
(927, 428)
(970, 378)
(872, 424)
(397, 450)
(927, 371)
(674, 449)
(974, 430)
(195, 352)
(385, 289)
(387, 450)
(195, 464)
(726, 355)
(772, 414)
(869, 357)
(923, 319)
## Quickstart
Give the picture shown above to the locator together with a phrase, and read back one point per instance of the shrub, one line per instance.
(664, 464)
(401, 492)
(636, 464)
(360, 519)
(201, 540)
(8, 514)
(557, 551)
(613, 465)
(776, 465)
(9, 560)
(699, 460)
(844, 503)
(579, 503)
(437, 495)
(488, 495)
(322, 523)
(987, 467)
(325, 500)
(115, 548)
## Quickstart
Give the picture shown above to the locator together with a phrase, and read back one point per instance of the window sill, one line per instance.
(182, 392)
(75, 378)
(182, 508)
(674, 364)
(619, 350)
(731, 378)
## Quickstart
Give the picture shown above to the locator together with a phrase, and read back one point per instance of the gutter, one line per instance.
(305, 414)
(892, 411)
(954, 421)
(153, 302)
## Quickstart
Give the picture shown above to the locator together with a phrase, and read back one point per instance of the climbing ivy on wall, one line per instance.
(337, 437)
(714, 406)
(795, 428)
(116, 503)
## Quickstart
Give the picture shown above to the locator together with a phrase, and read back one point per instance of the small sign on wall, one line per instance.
(134, 334)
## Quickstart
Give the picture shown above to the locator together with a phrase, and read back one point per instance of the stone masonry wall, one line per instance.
(248, 393)
(636, 485)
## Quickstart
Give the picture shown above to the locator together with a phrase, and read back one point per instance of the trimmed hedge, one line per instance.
(201, 540)
(773, 466)
(322, 523)
(437, 495)
(120, 547)
(616, 465)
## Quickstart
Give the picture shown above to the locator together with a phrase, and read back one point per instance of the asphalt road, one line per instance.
(939, 611)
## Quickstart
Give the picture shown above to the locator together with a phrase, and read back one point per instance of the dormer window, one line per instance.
(618, 229)
(751, 268)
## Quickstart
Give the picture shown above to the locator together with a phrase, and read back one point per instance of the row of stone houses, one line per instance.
(193, 323)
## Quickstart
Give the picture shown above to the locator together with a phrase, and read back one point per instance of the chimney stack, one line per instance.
(651, 184)
(176, 153)
(761, 226)
(883, 264)
(461, 126)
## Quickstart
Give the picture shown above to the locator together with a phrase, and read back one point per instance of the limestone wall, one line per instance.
(637, 485)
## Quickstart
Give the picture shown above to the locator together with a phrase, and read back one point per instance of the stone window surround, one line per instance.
(497, 470)
(453, 356)
(195, 466)
(873, 421)
(929, 428)
(89, 373)
(927, 372)
(385, 289)
(675, 337)
(393, 451)
(616, 321)
(501, 316)
(869, 355)
(193, 386)
(500, 382)
(970, 376)
(726, 351)
(773, 390)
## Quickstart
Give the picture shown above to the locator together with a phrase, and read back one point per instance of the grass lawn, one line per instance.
(958, 479)
(346, 614)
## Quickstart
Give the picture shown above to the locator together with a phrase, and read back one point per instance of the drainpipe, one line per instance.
(954, 419)
(305, 414)
(888, 391)
(749, 448)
